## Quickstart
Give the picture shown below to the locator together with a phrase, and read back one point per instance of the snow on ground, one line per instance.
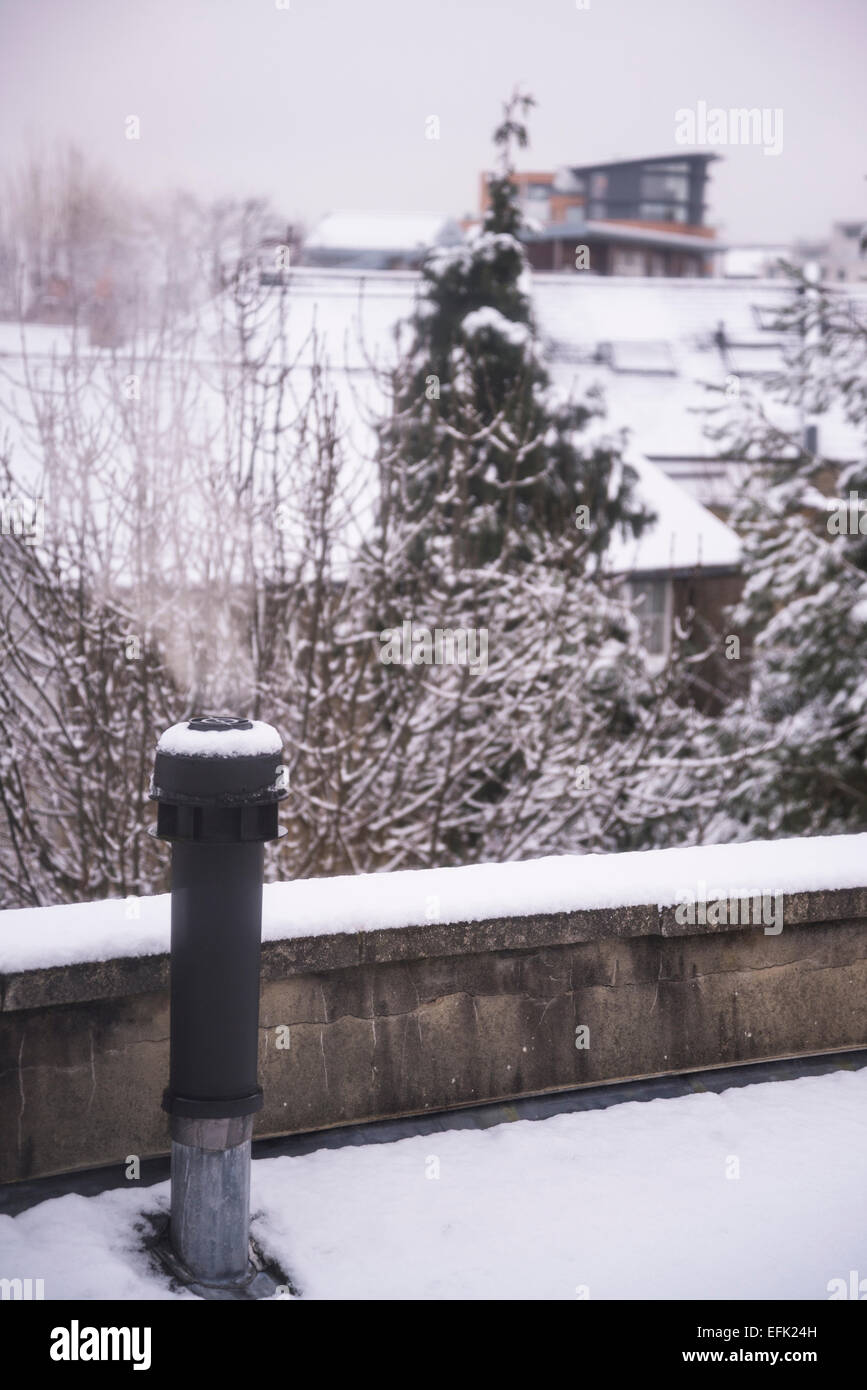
(31, 938)
(635, 1201)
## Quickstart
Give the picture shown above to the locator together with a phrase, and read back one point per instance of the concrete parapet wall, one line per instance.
(372, 1024)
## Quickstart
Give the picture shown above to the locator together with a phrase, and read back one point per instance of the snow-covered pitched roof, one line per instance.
(753, 262)
(685, 536)
(581, 316)
(382, 231)
(355, 314)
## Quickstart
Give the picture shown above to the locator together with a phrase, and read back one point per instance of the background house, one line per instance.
(847, 255)
(635, 216)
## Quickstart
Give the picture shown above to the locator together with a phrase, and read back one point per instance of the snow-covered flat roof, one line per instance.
(626, 1202)
(35, 938)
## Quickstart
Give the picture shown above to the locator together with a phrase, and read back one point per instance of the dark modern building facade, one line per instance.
(631, 216)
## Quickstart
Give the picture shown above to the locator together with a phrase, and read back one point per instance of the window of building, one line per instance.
(671, 187)
(651, 600)
(627, 262)
(662, 212)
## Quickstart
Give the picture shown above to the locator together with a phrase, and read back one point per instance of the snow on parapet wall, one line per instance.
(35, 938)
(182, 741)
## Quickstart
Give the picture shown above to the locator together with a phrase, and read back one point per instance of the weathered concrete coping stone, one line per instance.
(302, 955)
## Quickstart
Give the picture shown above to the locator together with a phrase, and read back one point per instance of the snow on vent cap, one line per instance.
(220, 736)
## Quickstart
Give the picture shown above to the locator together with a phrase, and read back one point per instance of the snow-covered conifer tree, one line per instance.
(791, 752)
(497, 501)
(484, 450)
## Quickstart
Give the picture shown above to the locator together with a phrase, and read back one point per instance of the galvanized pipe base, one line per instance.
(210, 1220)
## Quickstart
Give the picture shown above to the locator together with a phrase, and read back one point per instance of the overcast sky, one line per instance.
(323, 104)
